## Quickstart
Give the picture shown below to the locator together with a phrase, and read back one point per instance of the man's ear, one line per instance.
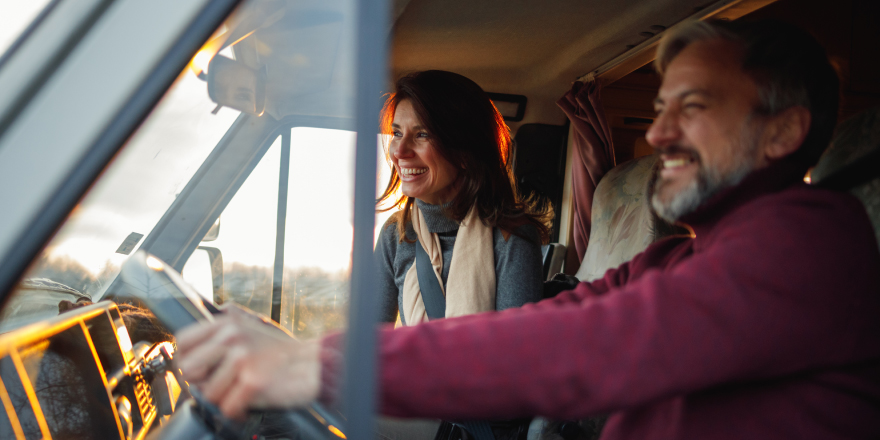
(786, 132)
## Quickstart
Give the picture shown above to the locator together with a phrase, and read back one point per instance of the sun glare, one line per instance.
(201, 60)
(154, 263)
(336, 431)
(203, 57)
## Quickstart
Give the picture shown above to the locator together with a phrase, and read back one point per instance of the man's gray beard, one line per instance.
(707, 183)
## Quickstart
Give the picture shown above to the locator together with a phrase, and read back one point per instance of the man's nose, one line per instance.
(664, 130)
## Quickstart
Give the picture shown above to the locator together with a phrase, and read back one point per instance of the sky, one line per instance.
(318, 229)
(144, 179)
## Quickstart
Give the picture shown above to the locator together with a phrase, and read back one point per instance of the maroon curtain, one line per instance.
(593, 153)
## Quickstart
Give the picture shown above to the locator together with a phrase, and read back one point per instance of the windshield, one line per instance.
(130, 198)
(244, 142)
(15, 16)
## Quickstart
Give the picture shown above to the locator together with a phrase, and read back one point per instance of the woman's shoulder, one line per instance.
(525, 234)
(390, 234)
(391, 221)
(518, 252)
(528, 229)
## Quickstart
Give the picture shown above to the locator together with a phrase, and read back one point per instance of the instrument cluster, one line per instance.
(79, 376)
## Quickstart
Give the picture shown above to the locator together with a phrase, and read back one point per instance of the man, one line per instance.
(764, 325)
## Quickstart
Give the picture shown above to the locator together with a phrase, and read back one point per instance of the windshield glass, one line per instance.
(128, 201)
(241, 141)
(15, 16)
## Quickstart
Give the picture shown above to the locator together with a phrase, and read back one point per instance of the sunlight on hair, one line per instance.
(503, 136)
(383, 173)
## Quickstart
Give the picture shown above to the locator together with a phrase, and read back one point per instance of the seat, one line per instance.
(852, 163)
(552, 255)
(623, 223)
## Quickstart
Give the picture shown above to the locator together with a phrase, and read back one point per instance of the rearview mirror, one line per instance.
(235, 85)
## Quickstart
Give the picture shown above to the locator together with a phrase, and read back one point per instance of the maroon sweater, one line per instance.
(765, 325)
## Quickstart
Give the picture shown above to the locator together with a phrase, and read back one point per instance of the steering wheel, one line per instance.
(176, 305)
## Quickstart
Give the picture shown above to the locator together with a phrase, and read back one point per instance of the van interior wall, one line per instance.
(847, 29)
(629, 106)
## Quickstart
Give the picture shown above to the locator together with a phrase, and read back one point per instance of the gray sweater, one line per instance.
(518, 264)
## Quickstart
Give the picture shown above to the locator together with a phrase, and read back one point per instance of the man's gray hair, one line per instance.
(788, 66)
(683, 36)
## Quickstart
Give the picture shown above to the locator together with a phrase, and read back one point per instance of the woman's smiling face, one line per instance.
(424, 173)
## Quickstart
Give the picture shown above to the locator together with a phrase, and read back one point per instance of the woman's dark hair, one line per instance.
(468, 131)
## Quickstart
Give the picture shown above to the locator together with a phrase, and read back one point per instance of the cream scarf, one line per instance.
(471, 282)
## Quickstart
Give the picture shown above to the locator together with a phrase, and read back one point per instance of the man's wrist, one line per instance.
(331, 358)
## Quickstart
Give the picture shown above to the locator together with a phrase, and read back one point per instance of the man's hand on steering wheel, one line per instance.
(240, 363)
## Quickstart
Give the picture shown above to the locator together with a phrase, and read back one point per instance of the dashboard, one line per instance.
(78, 376)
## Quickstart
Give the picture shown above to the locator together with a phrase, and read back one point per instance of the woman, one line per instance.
(449, 152)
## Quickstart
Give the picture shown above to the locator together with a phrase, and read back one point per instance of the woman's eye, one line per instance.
(423, 135)
(397, 134)
(694, 106)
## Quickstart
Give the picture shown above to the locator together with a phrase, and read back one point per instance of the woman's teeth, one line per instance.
(412, 171)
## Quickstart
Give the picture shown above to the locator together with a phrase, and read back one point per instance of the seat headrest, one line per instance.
(856, 139)
(623, 223)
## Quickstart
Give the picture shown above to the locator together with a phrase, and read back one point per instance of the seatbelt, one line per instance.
(432, 296)
(855, 173)
(435, 307)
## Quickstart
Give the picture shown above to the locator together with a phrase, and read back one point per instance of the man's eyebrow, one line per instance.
(703, 92)
(689, 92)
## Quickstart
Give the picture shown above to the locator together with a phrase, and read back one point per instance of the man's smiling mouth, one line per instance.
(674, 157)
(676, 162)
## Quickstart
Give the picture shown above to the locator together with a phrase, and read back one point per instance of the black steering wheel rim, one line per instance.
(176, 305)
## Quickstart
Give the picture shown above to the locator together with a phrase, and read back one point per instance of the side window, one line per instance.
(318, 230)
(244, 241)
(293, 251)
